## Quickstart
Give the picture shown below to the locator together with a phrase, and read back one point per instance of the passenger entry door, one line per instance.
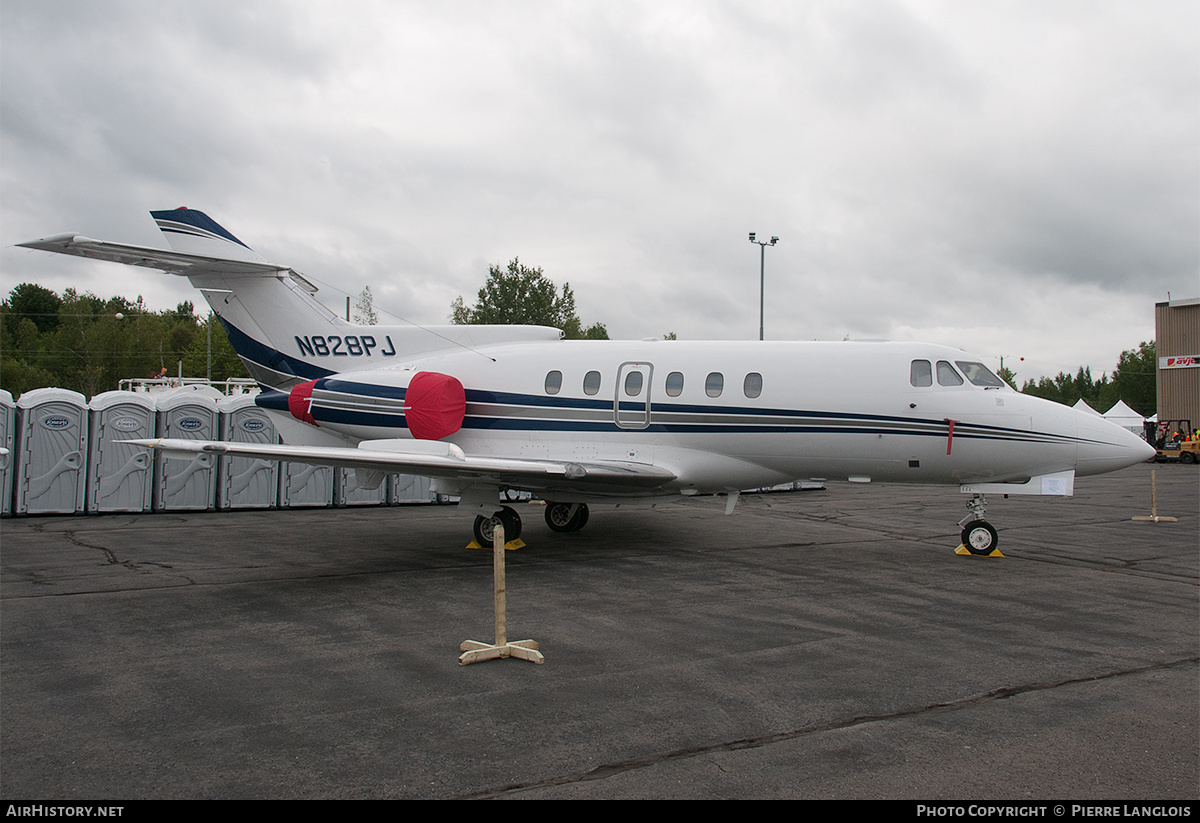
(631, 404)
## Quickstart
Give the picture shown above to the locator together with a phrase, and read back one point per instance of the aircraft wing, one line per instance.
(172, 262)
(443, 460)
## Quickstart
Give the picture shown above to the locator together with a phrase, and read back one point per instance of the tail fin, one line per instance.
(194, 232)
(281, 332)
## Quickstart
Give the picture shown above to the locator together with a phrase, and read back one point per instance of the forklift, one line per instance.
(1173, 441)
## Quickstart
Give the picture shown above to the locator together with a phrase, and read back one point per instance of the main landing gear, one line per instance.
(566, 517)
(978, 536)
(560, 517)
(485, 526)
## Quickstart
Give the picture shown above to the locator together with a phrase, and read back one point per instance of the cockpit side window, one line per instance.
(946, 374)
(979, 374)
(921, 373)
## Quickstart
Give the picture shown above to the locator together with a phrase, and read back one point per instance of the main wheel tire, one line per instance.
(979, 537)
(485, 527)
(560, 518)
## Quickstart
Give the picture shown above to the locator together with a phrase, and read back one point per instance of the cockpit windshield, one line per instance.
(979, 374)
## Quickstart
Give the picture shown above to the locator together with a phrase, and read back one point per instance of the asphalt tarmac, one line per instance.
(818, 644)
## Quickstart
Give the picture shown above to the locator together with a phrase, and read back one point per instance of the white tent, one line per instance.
(1081, 404)
(1125, 417)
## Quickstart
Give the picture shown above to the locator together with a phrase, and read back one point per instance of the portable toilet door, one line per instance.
(186, 484)
(246, 482)
(8, 457)
(120, 477)
(305, 485)
(51, 452)
(358, 487)
(409, 488)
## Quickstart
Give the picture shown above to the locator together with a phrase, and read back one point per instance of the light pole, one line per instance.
(762, 276)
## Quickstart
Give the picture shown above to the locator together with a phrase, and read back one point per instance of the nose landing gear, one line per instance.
(978, 536)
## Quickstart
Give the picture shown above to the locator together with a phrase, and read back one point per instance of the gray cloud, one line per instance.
(996, 177)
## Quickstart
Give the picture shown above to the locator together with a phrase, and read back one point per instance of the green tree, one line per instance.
(91, 344)
(1008, 376)
(364, 308)
(1132, 381)
(225, 362)
(37, 303)
(1135, 379)
(522, 295)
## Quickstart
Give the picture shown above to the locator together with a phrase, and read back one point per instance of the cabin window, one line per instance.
(947, 376)
(921, 373)
(714, 384)
(752, 385)
(979, 374)
(674, 384)
(591, 382)
(553, 382)
(633, 383)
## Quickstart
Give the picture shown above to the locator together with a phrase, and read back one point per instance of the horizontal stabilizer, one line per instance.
(172, 262)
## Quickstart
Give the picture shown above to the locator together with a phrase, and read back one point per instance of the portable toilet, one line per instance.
(50, 475)
(355, 487)
(8, 457)
(409, 488)
(303, 485)
(246, 482)
(182, 484)
(120, 477)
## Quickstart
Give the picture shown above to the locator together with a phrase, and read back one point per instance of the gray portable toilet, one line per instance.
(409, 488)
(182, 484)
(303, 485)
(8, 456)
(246, 482)
(349, 491)
(120, 477)
(51, 450)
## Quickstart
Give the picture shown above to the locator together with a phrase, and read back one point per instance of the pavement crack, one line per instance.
(73, 537)
(607, 770)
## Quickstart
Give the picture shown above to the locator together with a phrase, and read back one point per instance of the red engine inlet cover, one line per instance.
(434, 405)
(300, 401)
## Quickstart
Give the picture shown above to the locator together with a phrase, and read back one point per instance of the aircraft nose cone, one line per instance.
(1106, 447)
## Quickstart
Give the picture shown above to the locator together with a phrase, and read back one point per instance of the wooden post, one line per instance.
(1154, 518)
(472, 650)
(498, 584)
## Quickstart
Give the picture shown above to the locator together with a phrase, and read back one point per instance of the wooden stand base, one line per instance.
(472, 650)
(1153, 516)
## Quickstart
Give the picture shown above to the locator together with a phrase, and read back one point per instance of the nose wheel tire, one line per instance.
(979, 537)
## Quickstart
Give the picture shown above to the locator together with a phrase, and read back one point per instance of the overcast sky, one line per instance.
(1017, 179)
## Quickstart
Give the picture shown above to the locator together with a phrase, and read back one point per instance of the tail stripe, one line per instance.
(192, 223)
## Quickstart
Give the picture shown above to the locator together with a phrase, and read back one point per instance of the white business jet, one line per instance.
(485, 409)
